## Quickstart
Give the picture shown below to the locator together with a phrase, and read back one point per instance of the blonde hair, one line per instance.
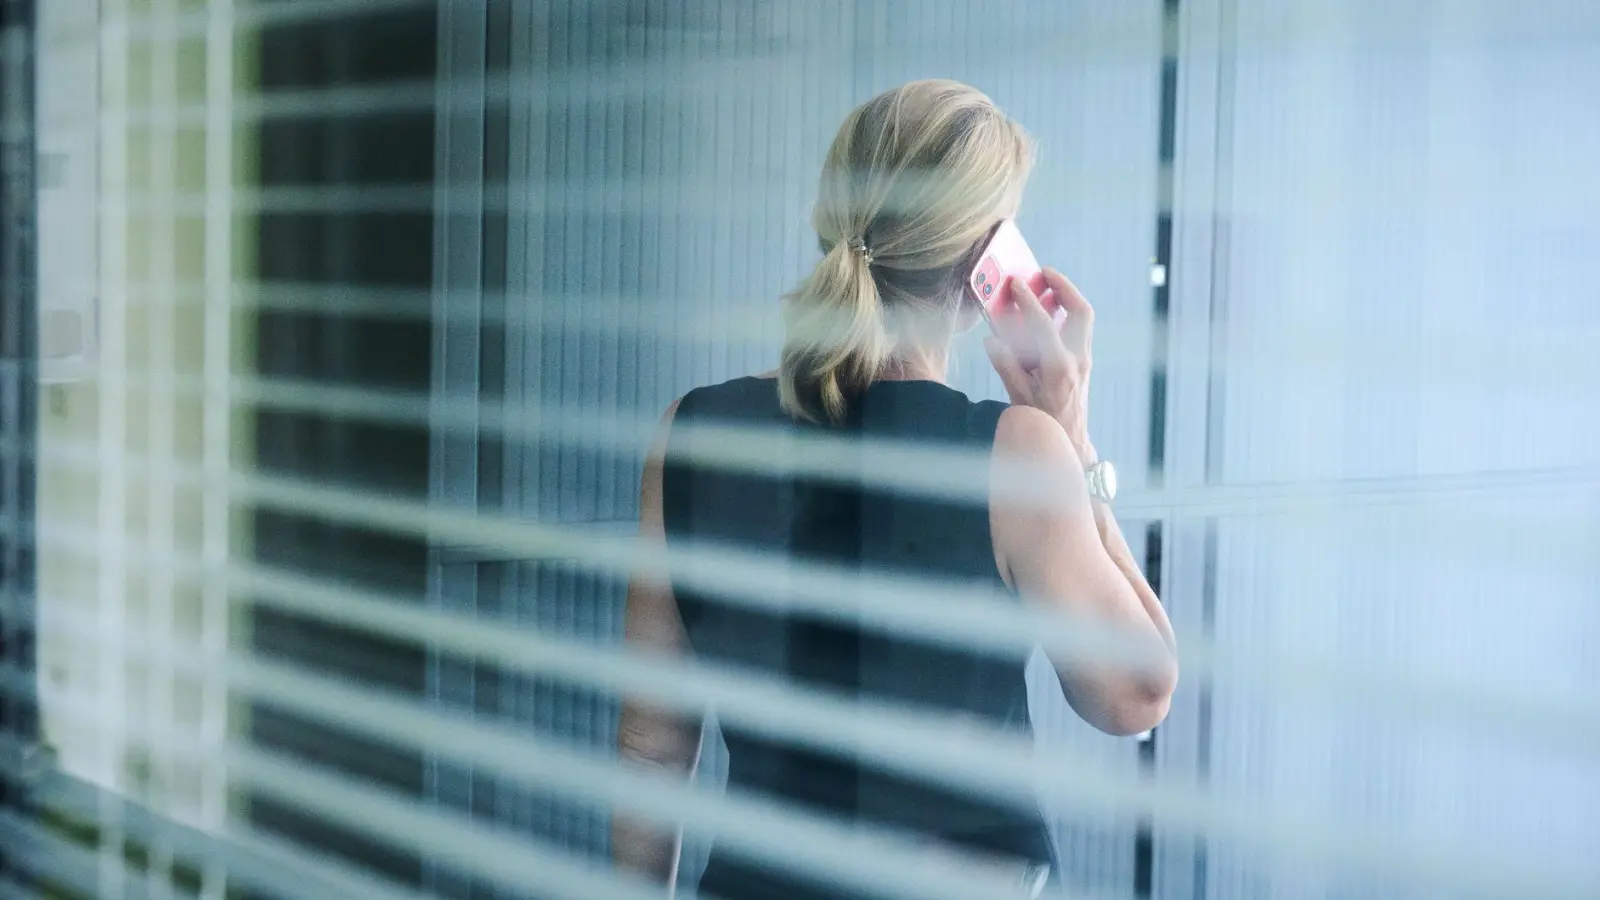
(915, 179)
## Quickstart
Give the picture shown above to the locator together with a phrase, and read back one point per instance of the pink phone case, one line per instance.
(1008, 256)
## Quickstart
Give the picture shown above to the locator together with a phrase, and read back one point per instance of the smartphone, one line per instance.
(1007, 256)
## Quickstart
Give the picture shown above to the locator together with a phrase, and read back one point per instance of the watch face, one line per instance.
(1108, 479)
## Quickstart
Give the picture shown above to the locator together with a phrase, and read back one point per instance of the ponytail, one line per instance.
(835, 341)
(927, 169)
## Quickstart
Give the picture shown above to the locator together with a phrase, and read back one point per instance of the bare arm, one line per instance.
(657, 738)
(1117, 548)
(1057, 549)
(1058, 545)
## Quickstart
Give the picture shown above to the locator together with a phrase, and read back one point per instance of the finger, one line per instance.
(1037, 331)
(1077, 332)
(1028, 302)
(1067, 293)
(1078, 326)
(1009, 369)
(1047, 355)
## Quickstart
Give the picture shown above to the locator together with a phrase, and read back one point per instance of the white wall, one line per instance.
(1400, 290)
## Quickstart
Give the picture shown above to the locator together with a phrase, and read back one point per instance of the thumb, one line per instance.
(1009, 369)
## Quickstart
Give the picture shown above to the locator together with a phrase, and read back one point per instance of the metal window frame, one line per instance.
(458, 337)
(19, 389)
(1200, 42)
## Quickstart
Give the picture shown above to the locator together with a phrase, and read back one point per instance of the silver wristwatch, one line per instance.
(1102, 481)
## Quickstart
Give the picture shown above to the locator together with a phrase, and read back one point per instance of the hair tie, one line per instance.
(859, 245)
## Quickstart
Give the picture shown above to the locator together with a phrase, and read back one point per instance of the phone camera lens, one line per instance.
(988, 289)
(980, 278)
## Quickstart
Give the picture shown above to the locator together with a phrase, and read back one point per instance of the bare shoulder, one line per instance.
(1024, 431)
(1034, 478)
(672, 410)
(659, 448)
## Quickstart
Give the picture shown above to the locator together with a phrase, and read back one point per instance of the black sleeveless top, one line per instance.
(801, 519)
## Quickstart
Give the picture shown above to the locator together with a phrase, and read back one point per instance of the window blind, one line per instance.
(318, 510)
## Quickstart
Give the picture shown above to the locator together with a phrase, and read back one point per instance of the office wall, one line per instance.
(1400, 314)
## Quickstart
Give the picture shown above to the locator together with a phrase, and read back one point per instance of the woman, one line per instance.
(914, 183)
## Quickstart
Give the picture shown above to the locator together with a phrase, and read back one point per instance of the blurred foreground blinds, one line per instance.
(334, 331)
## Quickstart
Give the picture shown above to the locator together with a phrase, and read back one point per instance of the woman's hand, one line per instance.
(1059, 384)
